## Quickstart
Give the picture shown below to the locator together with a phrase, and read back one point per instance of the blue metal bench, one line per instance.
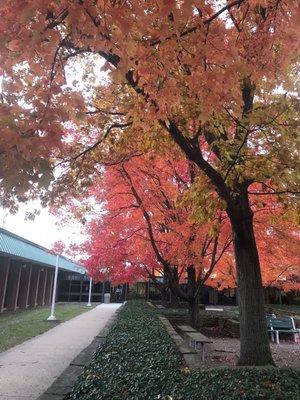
(281, 325)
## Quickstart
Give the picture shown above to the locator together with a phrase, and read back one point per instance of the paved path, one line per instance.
(28, 369)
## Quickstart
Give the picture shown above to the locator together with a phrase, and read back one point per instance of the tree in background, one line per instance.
(278, 239)
(147, 227)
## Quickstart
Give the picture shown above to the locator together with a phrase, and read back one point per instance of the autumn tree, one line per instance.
(278, 240)
(148, 226)
(121, 248)
(219, 80)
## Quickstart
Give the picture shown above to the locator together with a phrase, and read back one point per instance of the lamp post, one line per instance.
(52, 315)
(90, 293)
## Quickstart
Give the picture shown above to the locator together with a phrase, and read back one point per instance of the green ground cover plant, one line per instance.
(139, 361)
(16, 327)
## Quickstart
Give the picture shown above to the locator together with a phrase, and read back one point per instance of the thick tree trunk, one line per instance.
(194, 311)
(192, 298)
(165, 289)
(174, 300)
(254, 341)
(164, 298)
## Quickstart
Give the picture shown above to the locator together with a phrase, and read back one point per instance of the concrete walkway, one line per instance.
(28, 369)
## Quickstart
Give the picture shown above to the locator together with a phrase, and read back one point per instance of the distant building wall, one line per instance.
(27, 272)
(23, 284)
(75, 287)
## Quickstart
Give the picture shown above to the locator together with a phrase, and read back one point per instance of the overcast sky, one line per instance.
(43, 230)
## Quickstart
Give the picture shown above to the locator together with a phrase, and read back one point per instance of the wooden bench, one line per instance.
(198, 338)
(195, 338)
(281, 325)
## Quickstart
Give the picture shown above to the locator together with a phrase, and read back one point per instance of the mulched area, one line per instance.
(225, 348)
(224, 352)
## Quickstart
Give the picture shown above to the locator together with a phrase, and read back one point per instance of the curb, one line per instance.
(65, 382)
(191, 357)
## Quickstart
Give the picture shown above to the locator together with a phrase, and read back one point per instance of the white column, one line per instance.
(52, 315)
(89, 304)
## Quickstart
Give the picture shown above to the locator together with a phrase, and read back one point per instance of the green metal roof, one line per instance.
(15, 245)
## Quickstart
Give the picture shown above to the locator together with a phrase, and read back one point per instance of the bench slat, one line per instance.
(186, 328)
(198, 337)
(284, 330)
(284, 323)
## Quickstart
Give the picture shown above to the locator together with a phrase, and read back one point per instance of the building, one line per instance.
(27, 273)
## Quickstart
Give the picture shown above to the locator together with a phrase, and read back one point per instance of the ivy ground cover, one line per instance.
(139, 361)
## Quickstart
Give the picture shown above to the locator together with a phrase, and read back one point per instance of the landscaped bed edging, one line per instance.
(191, 357)
(63, 385)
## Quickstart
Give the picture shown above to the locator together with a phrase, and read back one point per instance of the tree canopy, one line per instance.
(218, 78)
(218, 74)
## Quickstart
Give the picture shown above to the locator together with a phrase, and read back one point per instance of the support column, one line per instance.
(49, 283)
(70, 284)
(34, 284)
(80, 290)
(4, 270)
(45, 286)
(42, 287)
(24, 286)
(13, 283)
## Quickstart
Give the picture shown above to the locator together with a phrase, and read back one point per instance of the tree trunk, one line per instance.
(165, 289)
(164, 297)
(174, 300)
(191, 295)
(254, 341)
(194, 311)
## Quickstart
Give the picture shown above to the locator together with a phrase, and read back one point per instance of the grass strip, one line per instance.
(16, 327)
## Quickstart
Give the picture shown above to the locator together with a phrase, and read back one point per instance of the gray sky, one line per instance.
(43, 230)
